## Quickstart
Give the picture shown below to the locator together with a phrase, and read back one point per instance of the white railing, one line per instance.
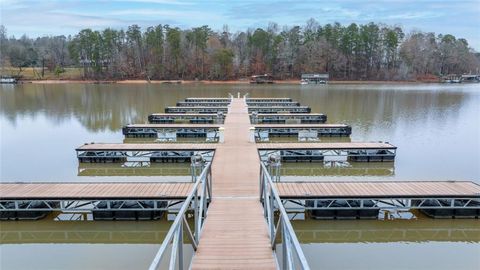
(292, 254)
(197, 201)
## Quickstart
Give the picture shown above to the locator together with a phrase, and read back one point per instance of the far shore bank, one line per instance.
(210, 82)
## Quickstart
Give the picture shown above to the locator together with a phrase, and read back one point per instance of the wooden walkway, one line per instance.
(235, 232)
(74, 191)
(410, 189)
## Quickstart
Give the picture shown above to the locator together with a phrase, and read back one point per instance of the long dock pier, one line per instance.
(235, 211)
(235, 233)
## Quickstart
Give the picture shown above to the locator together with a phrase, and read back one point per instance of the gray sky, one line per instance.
(54, 17)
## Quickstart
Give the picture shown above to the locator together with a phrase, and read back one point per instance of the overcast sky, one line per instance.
(54, 17)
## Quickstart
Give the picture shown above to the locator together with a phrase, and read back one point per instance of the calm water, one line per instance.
(436, 129)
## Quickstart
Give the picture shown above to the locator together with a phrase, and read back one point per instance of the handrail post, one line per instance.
(284, 246)
(180, 247)
(195, 213)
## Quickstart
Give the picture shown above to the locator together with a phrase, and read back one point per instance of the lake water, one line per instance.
(435, 127)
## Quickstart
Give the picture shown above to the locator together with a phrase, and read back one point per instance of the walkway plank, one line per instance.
(111, 190)
(379, 189)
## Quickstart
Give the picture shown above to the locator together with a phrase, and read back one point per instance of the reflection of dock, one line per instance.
(115, 169)
(355, 231)
(338, 169)
(94, 232)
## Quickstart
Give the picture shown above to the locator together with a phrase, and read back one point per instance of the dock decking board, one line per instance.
(372, 189)
(112, 190)
(235, 233)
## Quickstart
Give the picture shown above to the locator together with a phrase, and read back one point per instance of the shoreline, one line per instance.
(215, 82)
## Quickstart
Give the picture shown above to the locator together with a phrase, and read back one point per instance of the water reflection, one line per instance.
(374, 231)
(116, 169)
(336, 169)
(105, 232)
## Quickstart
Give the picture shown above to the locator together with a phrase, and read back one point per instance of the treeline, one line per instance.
(354, 52)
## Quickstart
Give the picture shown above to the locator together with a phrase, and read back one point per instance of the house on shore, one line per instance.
(314, 78)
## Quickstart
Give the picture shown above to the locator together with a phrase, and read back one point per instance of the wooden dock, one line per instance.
(397, 189)
(235, 233)
(77, 191)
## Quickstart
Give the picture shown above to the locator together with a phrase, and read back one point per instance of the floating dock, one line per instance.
(279, 109)
(152, 152)
(202, 104)
(207, 99)
(172, 131)
(247, 216)
(319, 152)
(208, 110)
(364, 200)
(106, 201)
(174, 118)
(288, 118)
(249, 100)
(274, 104)
(307, 131)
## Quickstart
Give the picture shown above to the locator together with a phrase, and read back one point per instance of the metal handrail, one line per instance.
(290, 244)
(197, 200)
